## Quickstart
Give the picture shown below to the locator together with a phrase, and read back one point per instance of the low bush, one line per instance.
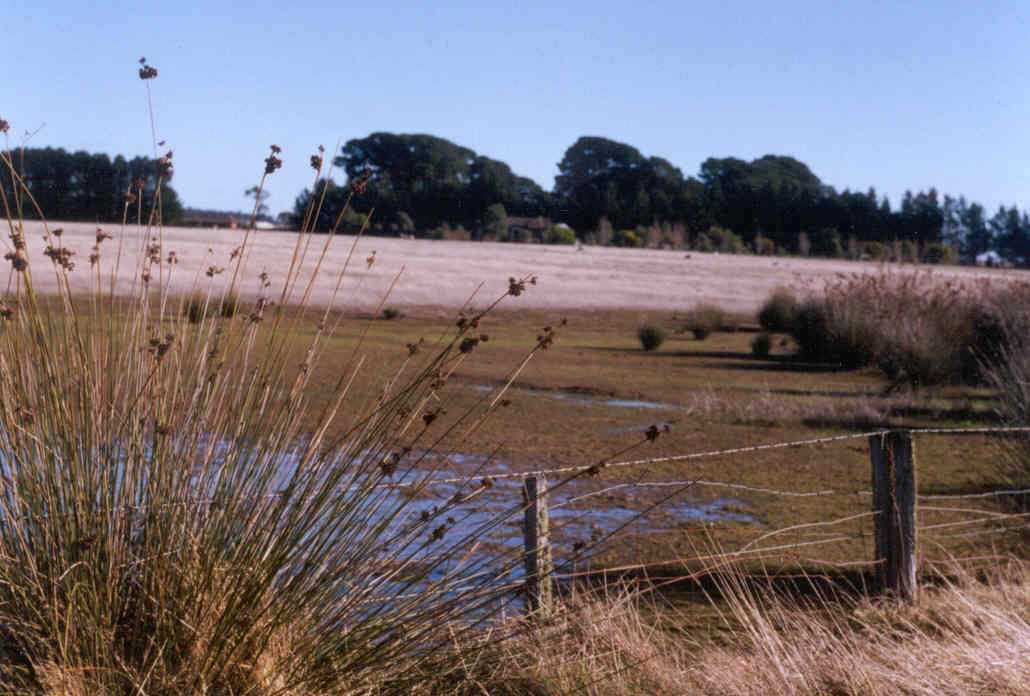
(875, 251)
(559, 234)
(937, 253)
(918, 329)
(722, 240)
(761, 345)
(651, 337)
(705, 319)
(777, 314)
(389, 313)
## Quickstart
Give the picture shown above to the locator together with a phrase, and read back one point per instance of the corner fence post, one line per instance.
(894, 501)
(537, 557)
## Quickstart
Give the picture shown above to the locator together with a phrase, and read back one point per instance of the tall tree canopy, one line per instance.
(431, 179)
(774, 201)
(599, 177)
(85, 186)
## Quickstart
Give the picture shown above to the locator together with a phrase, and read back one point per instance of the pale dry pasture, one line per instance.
(445, 273)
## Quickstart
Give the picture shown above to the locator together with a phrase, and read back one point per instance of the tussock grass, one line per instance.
(178, 517)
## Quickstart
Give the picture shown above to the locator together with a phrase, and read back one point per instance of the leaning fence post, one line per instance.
(536, 528)
(894, 501)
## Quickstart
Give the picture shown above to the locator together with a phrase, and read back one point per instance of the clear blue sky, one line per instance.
(896, 95)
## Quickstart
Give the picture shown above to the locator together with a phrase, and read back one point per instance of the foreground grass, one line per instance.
(965, 636)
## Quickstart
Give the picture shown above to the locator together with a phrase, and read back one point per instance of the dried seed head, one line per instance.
(272, 162)
(19, 261)
(212, 271)
(371, 260)
(146, 72)
(389, 464)
(101, 235)
(6, 312)
(468, 345)
(164, 166)
(57, 231)
(4, 126)
(316, 160)
(61, 256)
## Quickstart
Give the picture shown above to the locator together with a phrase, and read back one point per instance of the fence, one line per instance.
(894, 500)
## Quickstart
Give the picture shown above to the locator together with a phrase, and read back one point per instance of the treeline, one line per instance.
(90, 187)
(609, 193)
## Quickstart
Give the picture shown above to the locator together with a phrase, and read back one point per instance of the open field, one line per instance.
(444, 273)
(195, 395)
(594, 393)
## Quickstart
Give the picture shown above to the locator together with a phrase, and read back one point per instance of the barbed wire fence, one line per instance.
(893, 495)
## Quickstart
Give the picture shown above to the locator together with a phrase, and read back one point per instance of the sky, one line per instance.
(896, 95)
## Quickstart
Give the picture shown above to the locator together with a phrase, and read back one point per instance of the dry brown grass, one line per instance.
(965, 636)
(440, 273)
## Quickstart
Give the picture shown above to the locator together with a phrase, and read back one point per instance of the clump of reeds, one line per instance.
(918, 329)
(178, 515)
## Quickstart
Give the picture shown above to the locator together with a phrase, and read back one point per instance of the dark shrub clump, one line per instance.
(651, 337)
(777, 314)
(761, 345)
(705, 319)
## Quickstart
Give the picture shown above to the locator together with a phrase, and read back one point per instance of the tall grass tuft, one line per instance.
(1010, 377)
(966, 636)
(178, 514)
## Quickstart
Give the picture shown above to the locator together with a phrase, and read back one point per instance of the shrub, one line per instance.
(391, 313)
(761, 345)
(722, 240)
(827, 332)
(777, 314)
(764, 246)
(651, 337)
(558, 234)
(908, 251)
(938, 253)
(627, 238)
(705, 319)
(917, 329)
(876, 251)
(826, 242)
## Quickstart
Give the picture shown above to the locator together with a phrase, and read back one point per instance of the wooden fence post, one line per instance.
(894, 500)
(536, 530)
